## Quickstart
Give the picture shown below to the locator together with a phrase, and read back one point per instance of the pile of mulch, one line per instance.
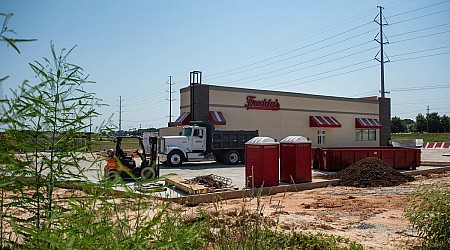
(370, 172)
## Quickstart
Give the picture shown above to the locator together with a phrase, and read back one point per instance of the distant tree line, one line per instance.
(431, 123)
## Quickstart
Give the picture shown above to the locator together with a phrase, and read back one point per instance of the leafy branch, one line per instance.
(9, 40)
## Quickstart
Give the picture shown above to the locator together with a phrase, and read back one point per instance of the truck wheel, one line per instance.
(174, 159)
(148, 173)
(231, 157)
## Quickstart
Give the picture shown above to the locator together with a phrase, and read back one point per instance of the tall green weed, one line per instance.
(429, 214)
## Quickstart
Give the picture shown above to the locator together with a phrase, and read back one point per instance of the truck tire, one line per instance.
(231, 157)
(175, 158)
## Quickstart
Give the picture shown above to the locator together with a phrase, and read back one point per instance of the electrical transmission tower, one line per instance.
(120, 115)
(170, 98)
(381, 41)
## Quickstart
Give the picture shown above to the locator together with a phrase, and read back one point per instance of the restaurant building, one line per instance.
(326, 120)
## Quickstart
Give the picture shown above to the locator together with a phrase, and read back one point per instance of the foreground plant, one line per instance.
(41, 145)
(429, 214)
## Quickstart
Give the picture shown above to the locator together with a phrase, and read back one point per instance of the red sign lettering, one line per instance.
(262, 104)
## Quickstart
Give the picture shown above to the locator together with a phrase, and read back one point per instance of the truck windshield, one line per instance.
(187, 131)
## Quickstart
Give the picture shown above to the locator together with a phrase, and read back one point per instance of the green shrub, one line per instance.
(430, 215)
(250, 229)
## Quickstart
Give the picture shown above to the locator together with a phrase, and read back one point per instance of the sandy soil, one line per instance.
(370, 216)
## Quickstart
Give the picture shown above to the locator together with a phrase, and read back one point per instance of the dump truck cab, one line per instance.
(200, 141)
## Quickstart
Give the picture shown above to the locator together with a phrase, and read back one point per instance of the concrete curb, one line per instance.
(428, 171)
(212, 197)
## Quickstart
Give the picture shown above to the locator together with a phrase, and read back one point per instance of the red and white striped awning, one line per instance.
(323, 121)
(183, 119)
(367, 123)
(217, 117)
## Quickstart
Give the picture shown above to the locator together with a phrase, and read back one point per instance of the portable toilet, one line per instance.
(295, 159)
(261, 162)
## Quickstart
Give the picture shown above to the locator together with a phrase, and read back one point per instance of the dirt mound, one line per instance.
(370, 172)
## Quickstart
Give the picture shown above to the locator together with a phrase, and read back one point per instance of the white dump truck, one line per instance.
(201, 142)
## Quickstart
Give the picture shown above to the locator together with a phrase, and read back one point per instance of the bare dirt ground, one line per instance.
(370, 216)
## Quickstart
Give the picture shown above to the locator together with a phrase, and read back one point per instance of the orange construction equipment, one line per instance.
(119, 164)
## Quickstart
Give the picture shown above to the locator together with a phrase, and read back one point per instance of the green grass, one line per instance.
(106, 143)
(427, 137)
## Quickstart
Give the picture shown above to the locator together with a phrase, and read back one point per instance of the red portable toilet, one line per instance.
(295, 163)
(262, 162)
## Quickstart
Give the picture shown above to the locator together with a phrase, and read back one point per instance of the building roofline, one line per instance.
(283, 93)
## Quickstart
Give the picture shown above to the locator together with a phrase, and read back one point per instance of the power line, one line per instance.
(420, 102)
(308, 67)
(414, 31)
(419, 37)
(410, 11)
(420, 51)
(414, 18)
(320, 57)
(344, 73)
(152, 93)
(306, 46)
(140, 103)
(305, 53)
(429, 87)
(313, 34)
(149, 120)
(419, 57)
(148, 105)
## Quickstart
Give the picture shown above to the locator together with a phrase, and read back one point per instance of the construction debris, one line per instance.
(201, 184)
(185, 186)
(212, 181)
(370, 172)
(150, 187)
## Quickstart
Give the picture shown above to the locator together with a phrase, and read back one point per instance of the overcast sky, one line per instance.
(130, 48)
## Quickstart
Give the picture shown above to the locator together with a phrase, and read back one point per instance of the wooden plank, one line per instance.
(182, 185)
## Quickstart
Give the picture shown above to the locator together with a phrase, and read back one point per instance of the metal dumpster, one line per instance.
(262, 162)
(295, 159)
(337, 158)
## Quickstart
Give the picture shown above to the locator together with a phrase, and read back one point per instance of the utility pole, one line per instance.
(170, 99)
(120, 115)
(381, 52)
(428, 114)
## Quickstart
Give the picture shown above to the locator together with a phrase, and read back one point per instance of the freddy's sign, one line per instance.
(264, 104)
